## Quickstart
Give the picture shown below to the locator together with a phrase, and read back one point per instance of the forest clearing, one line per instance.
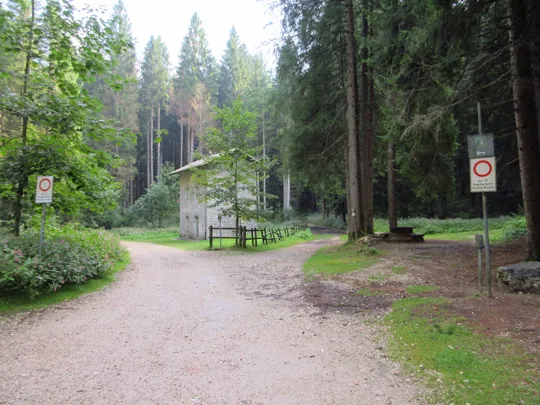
(270, 202)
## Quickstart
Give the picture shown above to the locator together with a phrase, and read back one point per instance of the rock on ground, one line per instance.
(523, 277)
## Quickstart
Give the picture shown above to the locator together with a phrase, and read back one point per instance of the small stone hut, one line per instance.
(196, 216)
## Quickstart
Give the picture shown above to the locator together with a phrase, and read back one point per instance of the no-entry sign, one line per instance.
(483, 175)
(44, 190)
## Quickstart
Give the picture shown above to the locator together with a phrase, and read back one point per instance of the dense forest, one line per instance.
(366, 114)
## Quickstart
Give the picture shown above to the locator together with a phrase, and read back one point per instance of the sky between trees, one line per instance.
(257, 25)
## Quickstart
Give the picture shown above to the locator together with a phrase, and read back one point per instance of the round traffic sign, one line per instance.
(482, 168)
(44, 185)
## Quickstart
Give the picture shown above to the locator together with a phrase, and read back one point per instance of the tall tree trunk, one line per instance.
(355, 209)
(159, 157)
(236, 208)
(264, 157)
(152, 145)
(286, 192)
(347, 194)
(23, 180)
(534, 24)
(392, 212)
(148, 158)
(366, 156)
(526, 121)
(181, 144)
(191, 143)
(200, 146)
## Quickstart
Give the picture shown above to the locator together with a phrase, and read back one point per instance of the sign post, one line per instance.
(483, 180)
(44, 192)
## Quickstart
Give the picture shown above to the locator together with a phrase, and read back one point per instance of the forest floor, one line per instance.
(432, 318)
(452, 267)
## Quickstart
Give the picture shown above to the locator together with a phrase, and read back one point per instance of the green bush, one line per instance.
(332, 222)
(304, 234)
(135, 233)
(451, 225)
(514, 228)
(70, 255)
(421, 225)
(157, 207)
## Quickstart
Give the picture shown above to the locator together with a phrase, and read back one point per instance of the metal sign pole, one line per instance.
(485, 215)
(486, 244)
(44, 196)
(479, 241)
(42, 230)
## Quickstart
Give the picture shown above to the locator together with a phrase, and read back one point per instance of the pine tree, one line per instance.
(154, 93)
(196, 68)
(120, 102)
(235, 70)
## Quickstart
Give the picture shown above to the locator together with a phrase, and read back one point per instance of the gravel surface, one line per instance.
(198, 328)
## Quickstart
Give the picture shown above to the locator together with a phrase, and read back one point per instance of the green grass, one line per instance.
(330, 261)
(190, 245)
(366, 292)
(285, 243)
(399, 269)
(471, 368)
(420, 289)
(66, 293)
(430, 226)
(376, 279)
(494, 235)
(186, 244)
(139, 234)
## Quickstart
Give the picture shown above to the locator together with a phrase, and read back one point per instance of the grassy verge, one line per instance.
(461, 366)
(190, 245)
(495, 235)
(143, 234)
(66, 293)
(333, 260)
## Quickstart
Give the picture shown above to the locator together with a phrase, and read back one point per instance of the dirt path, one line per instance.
(197, 328)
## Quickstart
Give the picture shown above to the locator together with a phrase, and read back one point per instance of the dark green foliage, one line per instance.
(159, 206)
(235, 71)
(197, 65)
(118, 92)
(71, 255)
(48, 118)
(515, 228)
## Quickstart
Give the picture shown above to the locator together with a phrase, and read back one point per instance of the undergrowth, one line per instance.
(66, 293)
(431, 226)
(71, 255)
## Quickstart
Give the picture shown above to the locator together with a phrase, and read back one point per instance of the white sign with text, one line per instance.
(483, 175)
(44, 190)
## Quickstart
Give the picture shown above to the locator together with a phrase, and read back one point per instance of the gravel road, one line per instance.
(198, 328)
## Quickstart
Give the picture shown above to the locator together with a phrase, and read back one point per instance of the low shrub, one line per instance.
(430, 226)
(514, 228)
(305, 234)
(421, 225)
(139, 233)
(332, 222)
(71, 255)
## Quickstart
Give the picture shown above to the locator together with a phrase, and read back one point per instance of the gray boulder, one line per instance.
(521, 276)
